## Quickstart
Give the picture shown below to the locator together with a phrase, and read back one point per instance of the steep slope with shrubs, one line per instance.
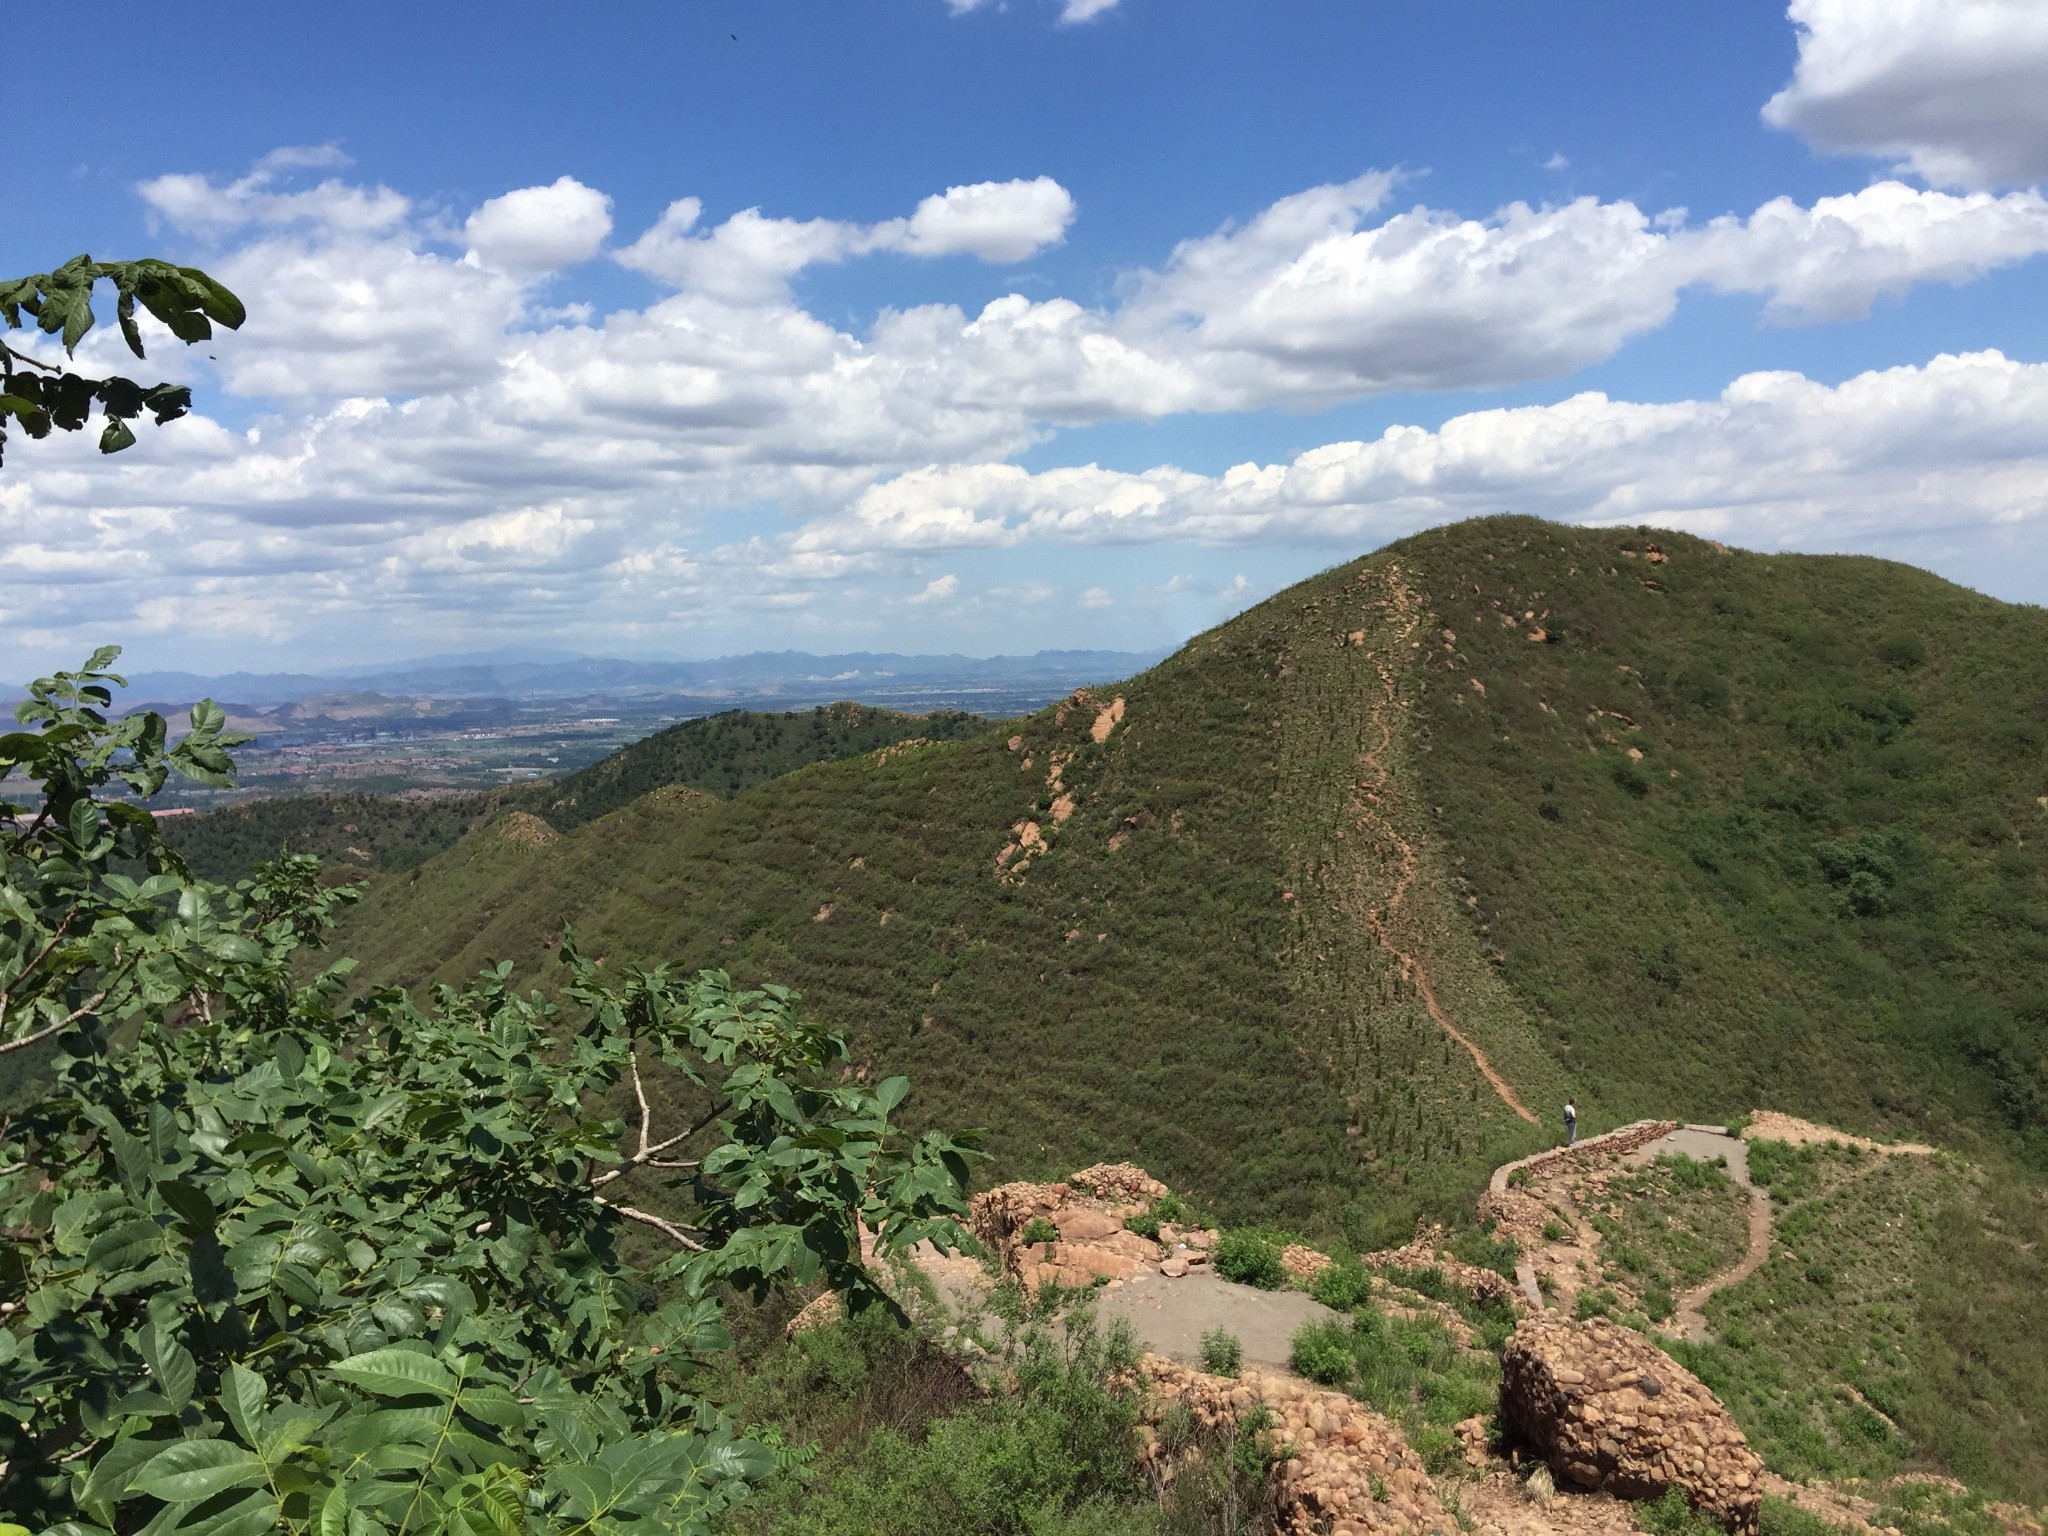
(1313, 917)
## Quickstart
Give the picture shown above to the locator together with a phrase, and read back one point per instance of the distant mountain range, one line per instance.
(533, 675)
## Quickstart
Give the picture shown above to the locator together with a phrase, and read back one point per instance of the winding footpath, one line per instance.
(1369, 816)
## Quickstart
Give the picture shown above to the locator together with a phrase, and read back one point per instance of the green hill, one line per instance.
(721, 754)
(1675, 829)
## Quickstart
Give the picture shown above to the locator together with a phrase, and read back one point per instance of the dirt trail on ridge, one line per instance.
(1369, 817)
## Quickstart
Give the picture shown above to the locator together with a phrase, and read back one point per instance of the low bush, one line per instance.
(1167, 1208)
(1250, 1259)
(1781, 1517)
(1487, 1250)
(1039, 1230)
(1222, 1353)
(1599, 1302)
(1342, 1286)
(1322, 1352)
(1220, 1474)
(1672, 1515)
(1695, 1173)
(1053, 1455)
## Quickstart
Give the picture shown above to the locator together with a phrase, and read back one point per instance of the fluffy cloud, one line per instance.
(1776, 460)
(751, 257)
(995, 220)
(1956, 89)
(538, 229)
(438, 445)
(358, 520)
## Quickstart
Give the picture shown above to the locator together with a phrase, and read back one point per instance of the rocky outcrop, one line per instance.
(1609, 1410)
(1346, 1470)
(1087, 1214)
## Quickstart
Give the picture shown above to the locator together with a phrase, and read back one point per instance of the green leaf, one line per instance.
(117, 435)
(189, 1201)
(892, 1091)
(193, 1470)
(172, 1365)
(396, 1371)
(242, 1398)
(247, 1517)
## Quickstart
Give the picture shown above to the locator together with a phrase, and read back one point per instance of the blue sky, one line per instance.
(466, 413)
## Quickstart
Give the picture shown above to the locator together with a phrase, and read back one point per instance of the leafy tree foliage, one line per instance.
(272, 1262)
(43, 396)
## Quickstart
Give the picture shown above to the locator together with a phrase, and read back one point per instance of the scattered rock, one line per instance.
(825, 1309)
(1574, 1392)
(1304, 1263)
(1471, 1435)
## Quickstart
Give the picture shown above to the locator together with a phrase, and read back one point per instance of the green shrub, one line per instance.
(1781, 1517)
(1483, 1250)
(1658, 1303)
(1250, 1259)
(1342, 1286)
(1039, 1230)
(1322, 1352)
(1694, 1173)
(1427, 1281)
(1222, 1353)
(1053, 1454)
(1596, 1303)
(1167, 1208)
(1672, 1515)
(1555, 1231)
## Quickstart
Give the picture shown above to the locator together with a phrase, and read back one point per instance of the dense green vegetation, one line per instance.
(1901, 1321)
(720, 754)
(1823, 885)
(1819, 887)
(269, 1262)
(901, 1441)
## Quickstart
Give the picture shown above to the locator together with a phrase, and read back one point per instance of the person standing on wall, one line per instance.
(1571, 1123)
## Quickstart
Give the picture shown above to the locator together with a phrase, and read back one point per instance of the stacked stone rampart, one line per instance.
(1349, 1473)
(1609, 1410)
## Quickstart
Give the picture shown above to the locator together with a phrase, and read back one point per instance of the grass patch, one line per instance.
(1902, 1320)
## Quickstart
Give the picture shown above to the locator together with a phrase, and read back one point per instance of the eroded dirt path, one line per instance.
(1374, 822)
(1689, 1321)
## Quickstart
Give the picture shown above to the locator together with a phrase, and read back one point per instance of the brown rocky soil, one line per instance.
(1769, 1125)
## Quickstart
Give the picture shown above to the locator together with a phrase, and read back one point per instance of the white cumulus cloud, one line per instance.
(1957, 90)
(537, 229)
(751, 256)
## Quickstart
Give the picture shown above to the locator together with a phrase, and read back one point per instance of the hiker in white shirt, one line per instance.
(1571, 1123)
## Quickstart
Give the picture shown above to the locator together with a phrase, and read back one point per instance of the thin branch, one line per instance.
(649, 1150)
(50, 1029)
(640, 1093)
(35, 362)
(37, 958)
(647, 1218)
